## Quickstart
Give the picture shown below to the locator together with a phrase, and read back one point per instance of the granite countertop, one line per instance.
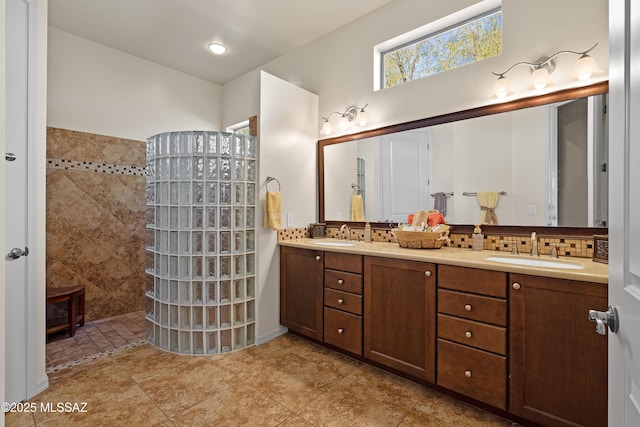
(590, 272)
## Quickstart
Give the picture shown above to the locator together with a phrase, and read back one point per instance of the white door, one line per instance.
(24, 198)
(624, 211)
(15, 190)
(405, 173)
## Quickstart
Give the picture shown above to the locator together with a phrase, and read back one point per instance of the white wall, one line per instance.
(529, 180)
(506, 152)
(37, 379)
(482, 162)
(368, 150)
(96, 89)
(339, 66)
(240, 99)
(338, 205)
(287, 149)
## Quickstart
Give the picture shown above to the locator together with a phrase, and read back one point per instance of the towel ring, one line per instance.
(269, 179)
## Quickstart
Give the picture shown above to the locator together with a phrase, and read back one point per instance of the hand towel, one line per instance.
(357, 208)
(488, 201)
(440, 203)
(435, 217)
(272, 210)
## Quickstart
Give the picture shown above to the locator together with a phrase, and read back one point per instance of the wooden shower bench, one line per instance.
(74, 296)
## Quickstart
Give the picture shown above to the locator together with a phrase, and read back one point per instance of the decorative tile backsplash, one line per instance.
(94, 167)
(96, 219)
(575, 247)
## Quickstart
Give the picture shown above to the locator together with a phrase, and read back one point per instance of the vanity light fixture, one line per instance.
(217, 48)
(541, 70)
(351, 114)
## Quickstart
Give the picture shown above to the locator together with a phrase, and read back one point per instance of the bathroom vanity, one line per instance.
(508, 337)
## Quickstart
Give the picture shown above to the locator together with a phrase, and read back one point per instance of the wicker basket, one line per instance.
(419, 239)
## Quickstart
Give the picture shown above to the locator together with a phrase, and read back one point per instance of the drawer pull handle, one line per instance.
(340, 281)
(467, 374)
(318, 257)
(516, 286)
(340, 300)
(340, 330)
(467, 334)
(467, 307)
(427, 273)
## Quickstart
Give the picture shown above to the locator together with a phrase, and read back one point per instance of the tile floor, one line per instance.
(94, 339)
(285, 382)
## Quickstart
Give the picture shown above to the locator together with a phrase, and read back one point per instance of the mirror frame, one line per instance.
(533, 101)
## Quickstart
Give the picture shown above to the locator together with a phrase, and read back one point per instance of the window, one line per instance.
(241, 128)
(242, 131)
(475, 39)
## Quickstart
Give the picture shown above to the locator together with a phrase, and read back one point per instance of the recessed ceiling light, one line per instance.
(217, 48)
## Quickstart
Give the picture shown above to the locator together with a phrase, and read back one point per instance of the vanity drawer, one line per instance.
(474, 373)
(344, 262)
(474, 307)
(343, 330)
(472, 333)
(340, 280)
(343, 300)
(485, 282)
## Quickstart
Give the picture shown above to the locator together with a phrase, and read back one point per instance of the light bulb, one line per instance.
(585, 68)
(217, 48)
(540, 78)
(343, 123)
(326, 128)
(362, 118)
(501, 88)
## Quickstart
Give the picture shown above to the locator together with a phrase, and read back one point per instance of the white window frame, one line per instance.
(450, 21)
(238, 126)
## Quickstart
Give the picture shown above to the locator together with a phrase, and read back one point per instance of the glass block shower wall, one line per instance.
(201, 261)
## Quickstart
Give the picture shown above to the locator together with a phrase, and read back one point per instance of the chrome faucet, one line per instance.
(534, 244)
(554, 249)
(348, 232)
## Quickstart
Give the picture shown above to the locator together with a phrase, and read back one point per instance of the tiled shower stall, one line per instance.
(200, 241)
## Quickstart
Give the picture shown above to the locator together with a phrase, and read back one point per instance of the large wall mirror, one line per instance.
(546, 156)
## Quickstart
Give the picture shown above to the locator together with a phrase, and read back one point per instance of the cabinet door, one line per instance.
(400, 315)
(558, 362)
(301, 284)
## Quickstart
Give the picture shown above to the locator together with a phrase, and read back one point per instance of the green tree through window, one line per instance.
(472, 41)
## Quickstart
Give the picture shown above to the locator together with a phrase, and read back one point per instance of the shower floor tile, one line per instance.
(94, 339)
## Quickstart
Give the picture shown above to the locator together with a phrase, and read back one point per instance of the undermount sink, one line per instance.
(536, 262)
(334, 243)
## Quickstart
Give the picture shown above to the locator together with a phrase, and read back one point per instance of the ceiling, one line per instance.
(175, 33)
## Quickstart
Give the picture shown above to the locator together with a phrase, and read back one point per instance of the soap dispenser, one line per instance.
(477, 240)
(367, 233)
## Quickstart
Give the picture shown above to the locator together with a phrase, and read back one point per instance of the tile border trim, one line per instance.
(95, 167)
(96, 356)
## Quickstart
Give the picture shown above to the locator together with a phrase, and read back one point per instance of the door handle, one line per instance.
(602, 318)
(9, 157)
(16, 253)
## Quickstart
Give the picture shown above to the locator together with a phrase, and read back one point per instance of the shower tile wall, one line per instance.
(96, 219)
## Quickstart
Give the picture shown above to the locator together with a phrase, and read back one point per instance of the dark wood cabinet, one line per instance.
(558, 364)
(472, 333)
(519, 343)
(301, 286)
(343, 301)
(400, 315)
